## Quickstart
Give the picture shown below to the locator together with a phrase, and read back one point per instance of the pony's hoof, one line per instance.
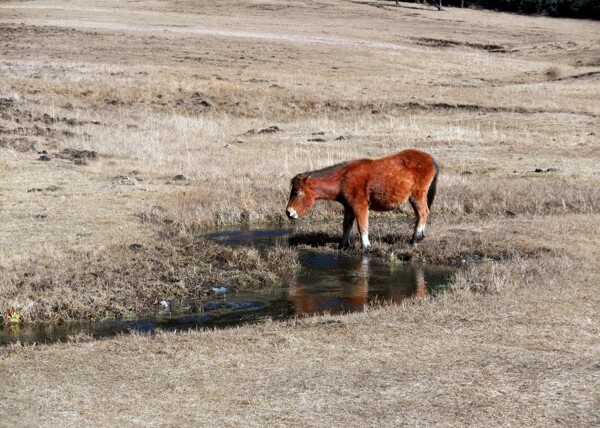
(414, 242)
(416, 239)
(344, 245)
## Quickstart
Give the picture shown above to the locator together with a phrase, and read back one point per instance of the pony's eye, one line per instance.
(296, 193)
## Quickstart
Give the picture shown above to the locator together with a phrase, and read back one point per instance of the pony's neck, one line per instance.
(326, 188)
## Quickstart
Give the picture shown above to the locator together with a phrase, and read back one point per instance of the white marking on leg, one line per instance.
(421, 230)
(365, 240)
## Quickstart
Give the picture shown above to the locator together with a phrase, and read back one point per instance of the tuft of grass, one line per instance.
(554, 73)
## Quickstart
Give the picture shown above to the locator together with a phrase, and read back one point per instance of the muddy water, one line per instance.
(325, 283)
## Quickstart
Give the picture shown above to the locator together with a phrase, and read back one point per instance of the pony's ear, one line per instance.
(300, 179)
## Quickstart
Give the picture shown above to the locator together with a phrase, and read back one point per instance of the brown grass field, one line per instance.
(163, 118)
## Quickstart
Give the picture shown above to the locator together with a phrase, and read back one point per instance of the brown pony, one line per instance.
(377, 184)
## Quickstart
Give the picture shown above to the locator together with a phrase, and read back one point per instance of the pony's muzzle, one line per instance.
(291, 213)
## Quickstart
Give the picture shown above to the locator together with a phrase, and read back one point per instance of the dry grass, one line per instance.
(125, 281)
(514, 357)
(177, 98)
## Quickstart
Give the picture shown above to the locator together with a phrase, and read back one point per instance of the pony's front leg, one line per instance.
(349, 218)
(362, 221)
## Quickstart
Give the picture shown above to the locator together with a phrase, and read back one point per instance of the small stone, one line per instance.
(270, 130)
(136, 248)
(80, 161)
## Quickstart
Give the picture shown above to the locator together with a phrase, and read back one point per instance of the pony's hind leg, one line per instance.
(349, 218)
(419, 204)
(362, 221)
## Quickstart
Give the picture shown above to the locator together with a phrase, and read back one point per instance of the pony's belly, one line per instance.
(386, 204)
(388, 194)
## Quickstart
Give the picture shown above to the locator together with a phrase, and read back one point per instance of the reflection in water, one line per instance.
(345, 286)
(327, 282)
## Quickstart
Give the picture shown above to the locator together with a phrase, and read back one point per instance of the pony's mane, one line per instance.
(325, 172)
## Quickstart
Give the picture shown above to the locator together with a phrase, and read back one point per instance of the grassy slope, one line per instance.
(522, 349)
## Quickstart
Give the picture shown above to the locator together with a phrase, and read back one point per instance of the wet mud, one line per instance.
(325, 282)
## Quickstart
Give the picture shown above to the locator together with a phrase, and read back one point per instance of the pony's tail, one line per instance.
(433, 186)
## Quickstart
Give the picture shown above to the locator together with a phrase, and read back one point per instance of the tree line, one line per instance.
(587, 9)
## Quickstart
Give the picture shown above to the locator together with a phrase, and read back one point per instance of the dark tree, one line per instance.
(437, 3)
(586, 9)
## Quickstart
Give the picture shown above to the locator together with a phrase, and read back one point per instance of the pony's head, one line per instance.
(302, 197)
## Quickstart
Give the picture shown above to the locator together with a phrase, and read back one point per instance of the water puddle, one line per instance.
(327, 282)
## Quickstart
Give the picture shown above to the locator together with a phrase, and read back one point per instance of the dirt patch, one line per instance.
(477, 108)
(5, 103)
(592, 75)
(269, 130)
(20, 144)
(26, 130)
(10, 110)
(79, 157)
(444, 43)
(51, 188)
